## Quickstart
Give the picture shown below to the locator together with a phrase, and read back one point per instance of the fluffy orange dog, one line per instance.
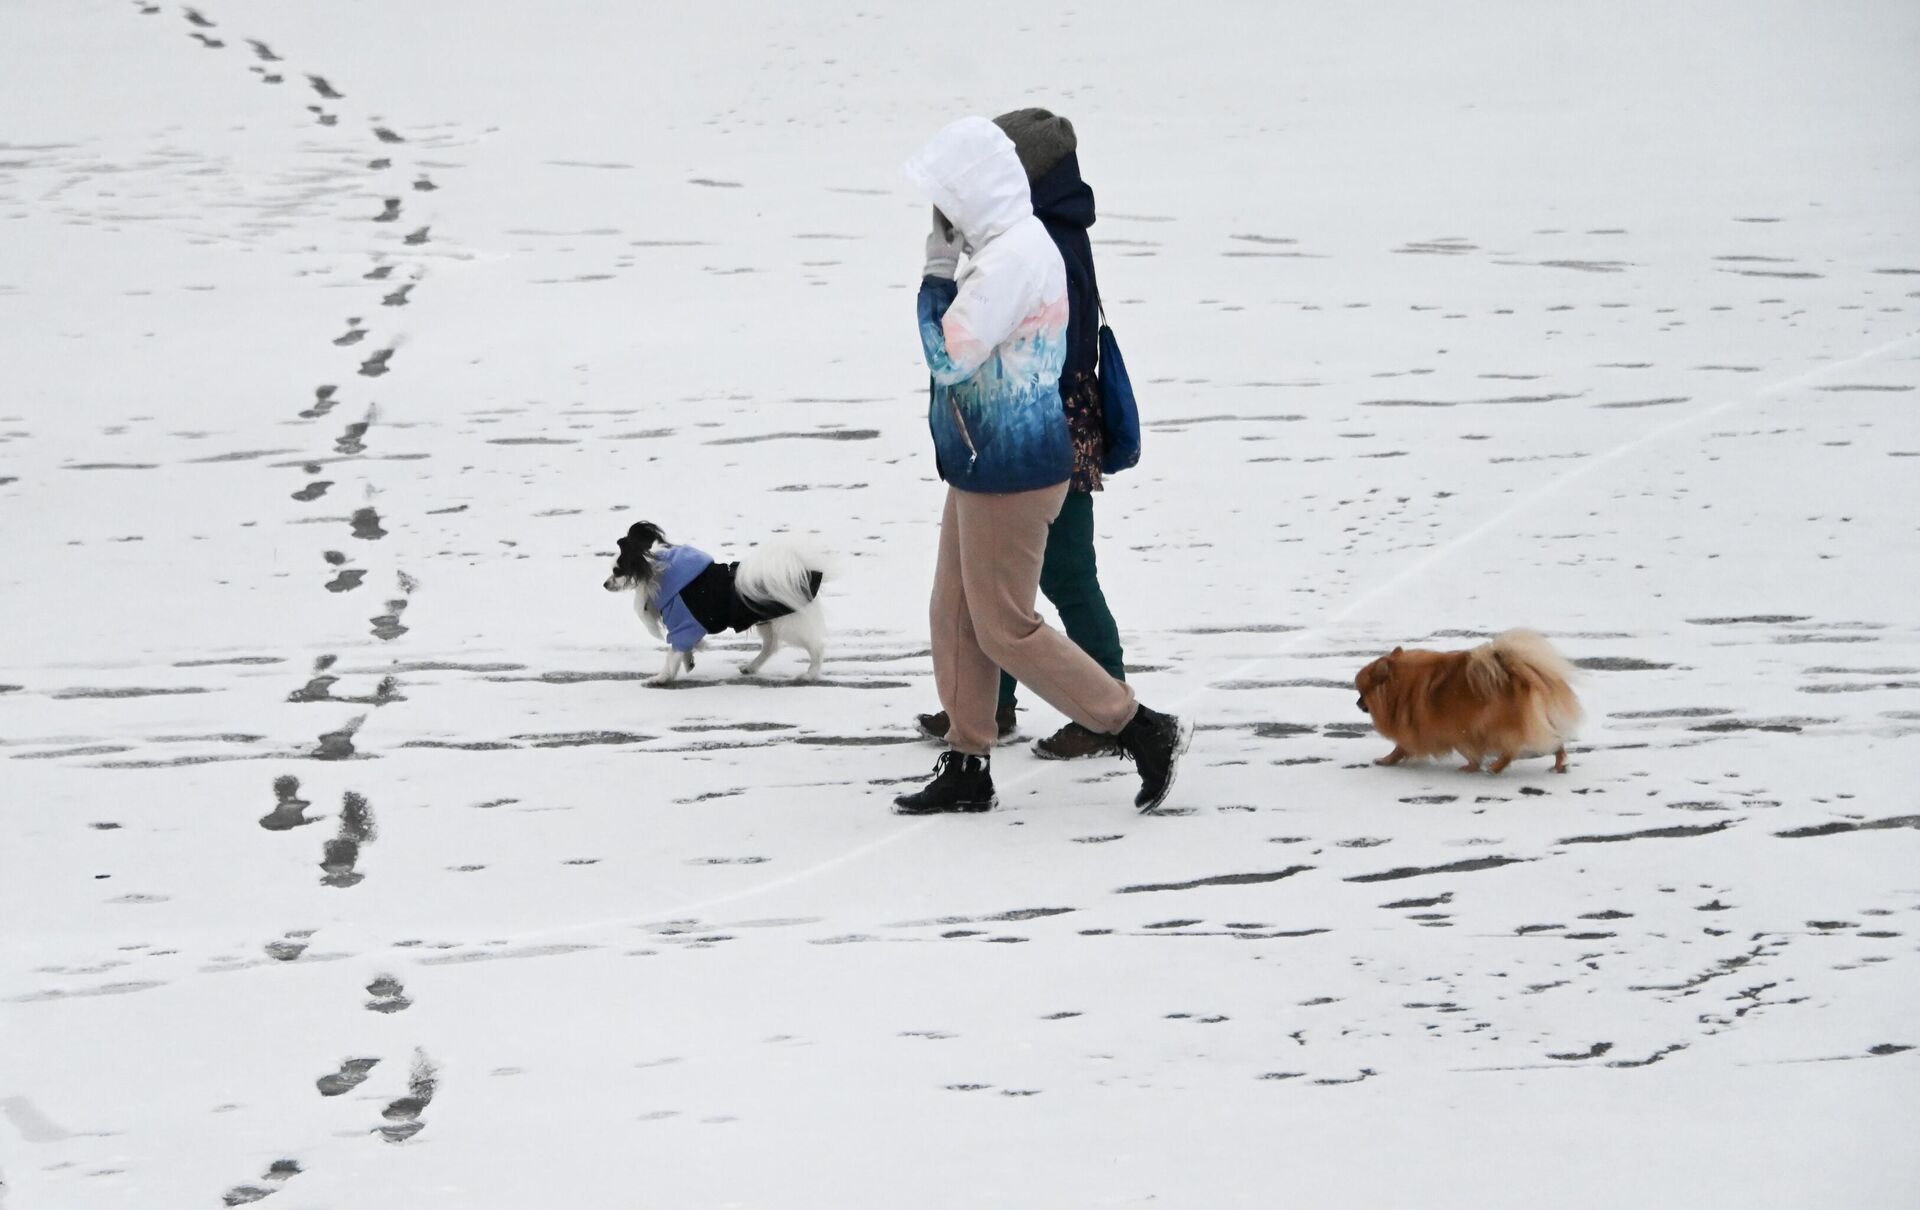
(1505, 699)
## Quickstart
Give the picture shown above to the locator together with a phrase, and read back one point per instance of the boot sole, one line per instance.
(1173, 767)
(957, 809)
(1047, 754)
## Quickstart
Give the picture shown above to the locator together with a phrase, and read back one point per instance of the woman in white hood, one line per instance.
(994, 336)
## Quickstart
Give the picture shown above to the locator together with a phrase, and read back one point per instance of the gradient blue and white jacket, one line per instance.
(995, 337)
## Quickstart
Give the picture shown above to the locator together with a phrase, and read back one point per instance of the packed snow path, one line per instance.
(350, 862)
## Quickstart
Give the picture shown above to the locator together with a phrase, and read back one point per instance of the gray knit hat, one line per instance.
(1042, 137)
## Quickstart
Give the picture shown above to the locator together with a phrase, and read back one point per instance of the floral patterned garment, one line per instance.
(1081, 395)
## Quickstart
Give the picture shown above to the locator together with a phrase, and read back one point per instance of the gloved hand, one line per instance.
(944, 246)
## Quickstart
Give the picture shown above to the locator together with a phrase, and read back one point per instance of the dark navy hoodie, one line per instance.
(1064, 205)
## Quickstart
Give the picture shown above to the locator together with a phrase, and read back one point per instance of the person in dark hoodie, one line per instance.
(1070, 576)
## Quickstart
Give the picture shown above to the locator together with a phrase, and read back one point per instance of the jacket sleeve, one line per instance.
(961, 325)
(683, 633)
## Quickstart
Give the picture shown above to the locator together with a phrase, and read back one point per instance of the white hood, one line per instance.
(972, 173)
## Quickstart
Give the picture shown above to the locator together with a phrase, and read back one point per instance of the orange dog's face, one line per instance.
(1373, 676)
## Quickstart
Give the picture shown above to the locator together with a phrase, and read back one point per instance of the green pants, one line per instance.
(1070, 579)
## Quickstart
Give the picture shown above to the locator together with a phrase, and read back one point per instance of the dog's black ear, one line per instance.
(643, 534)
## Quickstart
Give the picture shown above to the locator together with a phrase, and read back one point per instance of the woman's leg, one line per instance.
(1009, 691)
(1002, 545)
(1070, 578)
(963, 673)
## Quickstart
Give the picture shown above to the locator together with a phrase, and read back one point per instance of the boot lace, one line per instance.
(950, 763)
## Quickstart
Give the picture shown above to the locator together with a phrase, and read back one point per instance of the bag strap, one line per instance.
(1099, 351)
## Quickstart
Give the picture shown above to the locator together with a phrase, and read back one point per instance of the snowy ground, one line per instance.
(350, 864)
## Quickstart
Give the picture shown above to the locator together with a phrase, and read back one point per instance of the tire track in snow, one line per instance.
(1529, 503)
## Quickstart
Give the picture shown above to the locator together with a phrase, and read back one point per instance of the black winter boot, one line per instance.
(1154, 742)
(960, 783)
(1073, 741)
(936, 726)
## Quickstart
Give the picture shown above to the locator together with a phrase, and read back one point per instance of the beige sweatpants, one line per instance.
(983, 620)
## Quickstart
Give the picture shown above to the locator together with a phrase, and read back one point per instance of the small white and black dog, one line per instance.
(682, 595)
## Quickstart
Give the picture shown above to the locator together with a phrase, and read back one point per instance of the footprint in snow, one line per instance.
(278, 1173)
(403, 1115)
(352, 1074)
(388, 995)
(343, 851)
(289, 810)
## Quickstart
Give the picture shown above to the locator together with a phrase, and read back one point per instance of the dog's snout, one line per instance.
(1363, 706)
(612, 584)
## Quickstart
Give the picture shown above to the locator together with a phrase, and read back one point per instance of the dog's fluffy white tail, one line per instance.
(1525, 656)
(781, 571)
(1531, 649)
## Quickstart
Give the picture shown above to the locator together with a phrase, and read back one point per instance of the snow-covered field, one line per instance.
(348, 862)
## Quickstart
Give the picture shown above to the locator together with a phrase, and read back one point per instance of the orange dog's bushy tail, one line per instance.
(1524, 659)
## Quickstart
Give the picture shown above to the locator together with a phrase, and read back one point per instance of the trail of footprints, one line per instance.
(355, 828)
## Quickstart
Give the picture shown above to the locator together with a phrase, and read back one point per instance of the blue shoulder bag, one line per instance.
(1119, 417)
